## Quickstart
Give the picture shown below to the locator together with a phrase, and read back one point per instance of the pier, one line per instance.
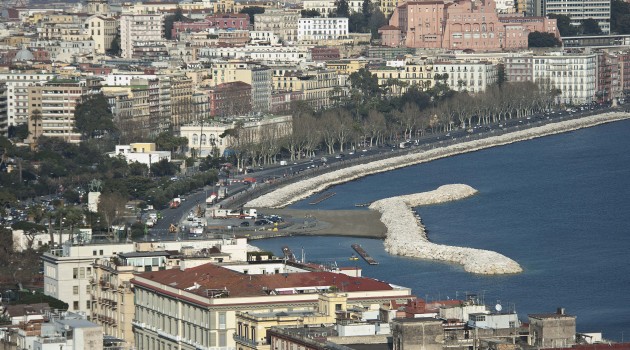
(370, 260)
(322, 198)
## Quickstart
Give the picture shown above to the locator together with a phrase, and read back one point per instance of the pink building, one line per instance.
(459, 25)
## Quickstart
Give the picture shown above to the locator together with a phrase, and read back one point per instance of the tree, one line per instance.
(538, 39)
(30, 230)
(310, 13)
(591, 27)
(366, 83)
(619, 17)
(343, 9)
(93, 118)
(564, 24)
(114, 47)
(35, 118)
(163, 168)
(178, 16)
(74, 216)
(110, 206)
(251, 11)
(376, 20)
(166, 141)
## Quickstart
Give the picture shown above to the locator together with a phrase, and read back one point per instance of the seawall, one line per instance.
(294, 192)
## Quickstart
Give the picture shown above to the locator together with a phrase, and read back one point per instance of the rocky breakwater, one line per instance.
(406, 234)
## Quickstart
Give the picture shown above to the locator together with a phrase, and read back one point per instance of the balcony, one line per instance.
(247, 341)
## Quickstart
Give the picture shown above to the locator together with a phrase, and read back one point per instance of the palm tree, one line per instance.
(36, 118)
(51, 215)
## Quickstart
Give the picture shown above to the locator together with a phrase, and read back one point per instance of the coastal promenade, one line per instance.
(295, 191)
(404, 235)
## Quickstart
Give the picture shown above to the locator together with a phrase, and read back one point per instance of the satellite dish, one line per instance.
(498, 307)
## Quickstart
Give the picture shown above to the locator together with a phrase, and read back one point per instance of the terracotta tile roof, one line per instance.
(210, 276)
(388, 27)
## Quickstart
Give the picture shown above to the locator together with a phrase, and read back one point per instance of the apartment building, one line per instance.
(327, 8)
(318, 87)
(196, 308)
(130, 107)
(257, 75)
(139, 28)
(97, 7)
(398, 78)
(282, 22)
(182, 106)
(68, 272)
(17, 83)
(230, 99)
(473, 77)
(574, 76)
(238, 21)
(53, 103)
(258, 53)
(4, 120)
(102, 30)
(314, 29)
(579, 10)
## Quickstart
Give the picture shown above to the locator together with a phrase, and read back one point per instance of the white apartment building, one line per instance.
(71, 51)
(102, 30)
(67, 273)
(263, 37)
(328, 7)
(3, 109)
(17, 84)
(579, 10)
(505, 6)
(574, 75)
(124, 79)
(139, 28)
(273, 54)
(473, 77)
(313, 29)
(143, 153)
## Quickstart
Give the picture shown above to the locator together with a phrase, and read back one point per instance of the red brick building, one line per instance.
(238, 21)
(229, 99)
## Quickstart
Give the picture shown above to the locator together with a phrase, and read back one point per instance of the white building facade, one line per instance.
(17, 84)
(469, 76)
(580, 10)
(312, 29)
(575, 76)
(139, 28)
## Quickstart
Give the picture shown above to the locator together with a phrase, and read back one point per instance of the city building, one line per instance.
(139, 28)
(397, 79)
(257, 75)
(68, 272)
(67, 330)
(52, 116)
(98, 7)
(577, 10)
(314, 29)
(143, 153)
(238, 21)
(4, 119)
(552, 330)
(473, 77)
(197, 307)
(282, 22)
(328, 8)
(318, 87)
(461, 25)
(230, 99)
(102, 30)
(573, 77)
(17, 93)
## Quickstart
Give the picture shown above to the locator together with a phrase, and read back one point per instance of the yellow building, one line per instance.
(251, 327)
(318, 88)
(254, 74)
(102, 30)
(346, 67)
(397, 79)
(182, 108)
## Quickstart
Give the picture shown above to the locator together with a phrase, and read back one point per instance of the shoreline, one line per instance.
(292, 193)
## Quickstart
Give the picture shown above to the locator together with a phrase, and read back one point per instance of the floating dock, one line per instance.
(370, 260)
(322, 198)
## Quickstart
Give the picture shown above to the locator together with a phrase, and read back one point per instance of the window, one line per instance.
(75, 305)
(75, 273)
(75, 290)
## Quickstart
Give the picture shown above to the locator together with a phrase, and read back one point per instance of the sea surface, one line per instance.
(558, 205)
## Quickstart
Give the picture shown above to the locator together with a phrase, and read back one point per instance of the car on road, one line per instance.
(244, 224)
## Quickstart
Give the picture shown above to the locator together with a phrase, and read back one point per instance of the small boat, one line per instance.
(354, 257)
(362, 204)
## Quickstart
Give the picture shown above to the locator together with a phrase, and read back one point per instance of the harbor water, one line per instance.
(558, 205)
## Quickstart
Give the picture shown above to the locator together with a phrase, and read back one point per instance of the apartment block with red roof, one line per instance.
(196, 308)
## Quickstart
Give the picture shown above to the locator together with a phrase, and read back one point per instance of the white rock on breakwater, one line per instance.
(297, 191)
(406, 235)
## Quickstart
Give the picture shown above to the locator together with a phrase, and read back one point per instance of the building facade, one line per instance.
(139, 28)
(314, 29)
(282, 22)
(579, 10)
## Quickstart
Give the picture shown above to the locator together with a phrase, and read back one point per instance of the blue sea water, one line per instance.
(558, 205)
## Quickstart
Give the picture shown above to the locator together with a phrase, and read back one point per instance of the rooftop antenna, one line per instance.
(498, 306)
(303, 261)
